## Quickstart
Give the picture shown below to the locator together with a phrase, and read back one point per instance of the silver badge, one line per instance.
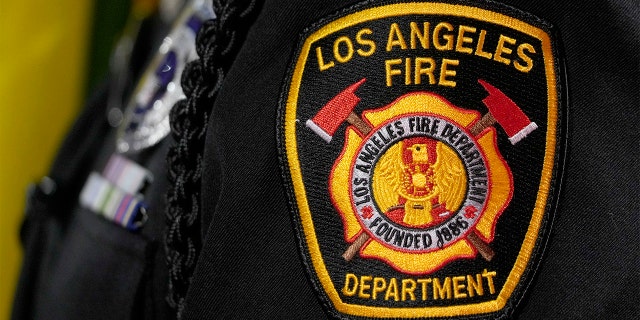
(146, 119)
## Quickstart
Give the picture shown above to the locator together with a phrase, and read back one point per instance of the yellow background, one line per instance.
(43, 46)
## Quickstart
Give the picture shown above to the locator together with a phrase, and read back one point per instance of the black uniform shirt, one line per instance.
(79, 266)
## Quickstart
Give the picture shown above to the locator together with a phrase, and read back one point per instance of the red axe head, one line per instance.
(510, 117)
(333, 114)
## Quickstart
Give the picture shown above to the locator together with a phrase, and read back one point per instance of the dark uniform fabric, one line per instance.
(79, 266)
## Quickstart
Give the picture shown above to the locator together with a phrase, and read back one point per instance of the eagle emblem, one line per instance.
(419, 182)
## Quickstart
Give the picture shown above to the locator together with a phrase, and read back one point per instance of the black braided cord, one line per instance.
(217, 44)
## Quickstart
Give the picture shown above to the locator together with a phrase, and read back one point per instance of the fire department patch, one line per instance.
(422, 145)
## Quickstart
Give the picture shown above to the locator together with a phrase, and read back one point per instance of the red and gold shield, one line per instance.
(420, 184)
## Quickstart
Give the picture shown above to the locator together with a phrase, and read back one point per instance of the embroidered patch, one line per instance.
(422, 143)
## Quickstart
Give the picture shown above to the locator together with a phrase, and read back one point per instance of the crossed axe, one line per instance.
(502, 110)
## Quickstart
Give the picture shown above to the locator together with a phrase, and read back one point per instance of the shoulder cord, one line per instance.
(217, 44)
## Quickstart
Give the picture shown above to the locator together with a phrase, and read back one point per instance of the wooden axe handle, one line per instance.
(364, 129)
(355, 246)
(357, 122)
(482, 247)
(486, 121)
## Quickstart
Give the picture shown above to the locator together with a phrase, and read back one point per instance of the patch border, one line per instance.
(547, 197)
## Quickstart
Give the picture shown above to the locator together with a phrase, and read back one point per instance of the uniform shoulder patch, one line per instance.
(422, 144)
